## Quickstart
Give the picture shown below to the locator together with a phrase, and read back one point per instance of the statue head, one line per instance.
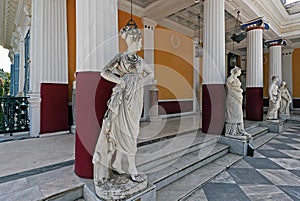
(236, 71)
(283, 84)
(275, 78)
(133, 37)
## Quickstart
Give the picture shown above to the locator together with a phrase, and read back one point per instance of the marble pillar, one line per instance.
(275, 64)
(254, 79)
(153, 112)
(287, 69)
(96, 44)
(196, 75)
(213, 102)
(148, 40)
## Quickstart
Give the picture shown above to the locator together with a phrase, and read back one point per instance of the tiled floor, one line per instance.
(272, 174)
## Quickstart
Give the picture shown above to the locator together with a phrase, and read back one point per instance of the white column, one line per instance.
(213, 73)
(48, 50)
(55, 46)
(214, 42)
(21, 69)
(196, 81)
(36, 47)
(255, 58)
(275, 62)
(96, 33)
(149, 26)
(254, 78)
(287, 68)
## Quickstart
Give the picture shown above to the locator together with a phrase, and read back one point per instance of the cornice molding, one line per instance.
(176, 27)
(136, 10)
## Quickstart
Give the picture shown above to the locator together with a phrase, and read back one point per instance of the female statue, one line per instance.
(274, 99)
(286, 99)
(120, 126)
(234, 110)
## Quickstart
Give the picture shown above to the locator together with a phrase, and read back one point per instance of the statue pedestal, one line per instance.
(284, 116)
(238, 144)
(275, 126)
(121, 187)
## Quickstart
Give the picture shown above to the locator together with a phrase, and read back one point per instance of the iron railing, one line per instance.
(14, 114)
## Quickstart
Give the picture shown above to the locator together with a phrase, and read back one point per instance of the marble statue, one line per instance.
(120, 126)
(274, 100)
(286, 99)
(234, 110)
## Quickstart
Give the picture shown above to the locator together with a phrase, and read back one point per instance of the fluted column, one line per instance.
(287, 68)
(149, 27)
(254, 80)
(213, 105)
(275, 65)
(96, 45)
(196, 75)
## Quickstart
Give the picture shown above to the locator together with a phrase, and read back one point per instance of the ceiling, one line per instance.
(292, 6)
(182, 16)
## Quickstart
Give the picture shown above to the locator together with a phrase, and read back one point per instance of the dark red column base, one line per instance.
(92, 94)
(54, 107)
(213, 108)
(254, 103)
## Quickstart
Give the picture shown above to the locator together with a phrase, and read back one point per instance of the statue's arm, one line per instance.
(107, 72)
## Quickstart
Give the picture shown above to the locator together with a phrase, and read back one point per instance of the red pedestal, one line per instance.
(254, 103)
(92, 94)
(54, 107)
(213, 108)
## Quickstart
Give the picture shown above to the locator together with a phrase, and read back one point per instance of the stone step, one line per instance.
(169, 172)
(185, 186)
(257, 131)
(294, 119)
(153, 155)
(263, 139)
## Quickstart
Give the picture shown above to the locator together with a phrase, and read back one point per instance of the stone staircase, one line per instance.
(177, 166)
(181, 165)
(260, 134)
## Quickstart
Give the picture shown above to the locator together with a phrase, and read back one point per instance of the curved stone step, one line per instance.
(185, 186)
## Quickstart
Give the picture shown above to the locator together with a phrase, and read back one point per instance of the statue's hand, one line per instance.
(122, 84)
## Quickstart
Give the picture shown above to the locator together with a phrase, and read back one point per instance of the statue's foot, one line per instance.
(118, 171)
(137, 178)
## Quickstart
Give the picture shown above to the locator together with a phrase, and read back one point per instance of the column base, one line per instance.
(35, 114)
(92, 94)
(213, 109)
(254, 103)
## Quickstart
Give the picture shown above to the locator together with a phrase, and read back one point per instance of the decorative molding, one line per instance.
(136, 10)
(276, 42)
(177, 27)
(149, 23)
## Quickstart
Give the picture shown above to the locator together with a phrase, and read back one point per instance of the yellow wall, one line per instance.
(173, 64)
(266, 74)
(296, 73)
(71, 20)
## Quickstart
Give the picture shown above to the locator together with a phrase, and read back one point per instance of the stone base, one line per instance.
(73, 129)
(284, 116)
(237, 146)
(275, 126)
(121, 187)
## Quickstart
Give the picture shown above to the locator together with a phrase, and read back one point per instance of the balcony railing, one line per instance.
(14, 114)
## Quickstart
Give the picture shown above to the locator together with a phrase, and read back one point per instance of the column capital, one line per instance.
(258, 23)
(276, 42)
(149, 23)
